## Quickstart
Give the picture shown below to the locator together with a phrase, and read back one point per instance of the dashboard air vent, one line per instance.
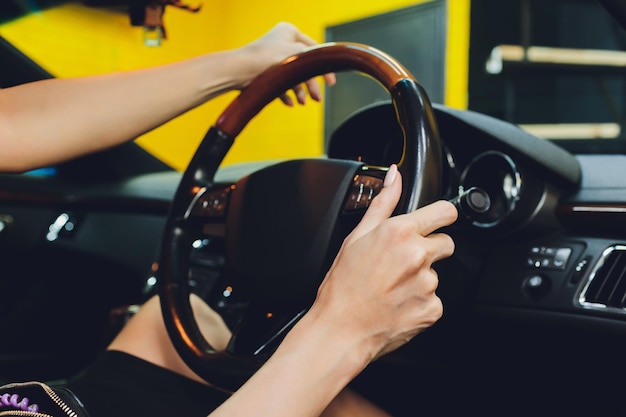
(606, 287)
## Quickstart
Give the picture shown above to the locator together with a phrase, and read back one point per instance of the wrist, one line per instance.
(214, 74)
(347, 351)
(291, 374)
(242, 67)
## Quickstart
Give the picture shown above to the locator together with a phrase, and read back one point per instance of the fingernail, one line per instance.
(390, 176)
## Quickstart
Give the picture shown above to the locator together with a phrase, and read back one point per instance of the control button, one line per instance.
(561, 257)
(536, 285)
(543, 250)
(547, 257)
(364, 189)
(579, 269)
(6, 220)
(212, 203)
(63, 225)
(539, 262)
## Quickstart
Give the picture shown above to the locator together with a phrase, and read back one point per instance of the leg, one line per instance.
(145, 337)
(350, 404)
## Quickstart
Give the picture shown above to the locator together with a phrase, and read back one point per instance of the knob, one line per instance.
(471, 203)
(536, 285)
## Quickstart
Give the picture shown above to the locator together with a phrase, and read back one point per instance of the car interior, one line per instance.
(534, 295)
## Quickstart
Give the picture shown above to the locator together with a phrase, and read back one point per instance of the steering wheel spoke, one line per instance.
(262, 328)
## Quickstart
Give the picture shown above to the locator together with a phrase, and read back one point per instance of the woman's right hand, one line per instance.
(381, 287)
(378, 294)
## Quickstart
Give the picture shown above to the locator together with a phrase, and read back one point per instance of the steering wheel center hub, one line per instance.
(282, 226)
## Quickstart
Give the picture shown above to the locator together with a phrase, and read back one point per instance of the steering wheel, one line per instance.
(283, 225)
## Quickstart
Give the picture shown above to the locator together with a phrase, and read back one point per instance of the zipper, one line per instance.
(49, 392)
(58, 401)
(13, 413)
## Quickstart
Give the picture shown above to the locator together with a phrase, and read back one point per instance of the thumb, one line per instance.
(382, 205)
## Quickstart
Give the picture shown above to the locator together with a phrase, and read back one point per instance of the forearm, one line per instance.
(311, 367)
(50, 121)
(55, 120)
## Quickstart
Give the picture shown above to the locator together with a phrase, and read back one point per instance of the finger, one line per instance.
(382, 205)
(330, 79)
(286, 99)
(314, 89)
(434, 216)
(443, 244)
(300, 93)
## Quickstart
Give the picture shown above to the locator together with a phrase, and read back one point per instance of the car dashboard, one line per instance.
(533, 296)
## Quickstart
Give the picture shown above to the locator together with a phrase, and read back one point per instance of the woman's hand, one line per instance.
(282, 41)
(381, 287)
(378, 294)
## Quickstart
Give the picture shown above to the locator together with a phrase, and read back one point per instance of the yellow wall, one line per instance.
(74, 40)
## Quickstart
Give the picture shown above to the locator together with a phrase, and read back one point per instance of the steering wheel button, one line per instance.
(364, 189)
(212, 203)
(351, 202)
